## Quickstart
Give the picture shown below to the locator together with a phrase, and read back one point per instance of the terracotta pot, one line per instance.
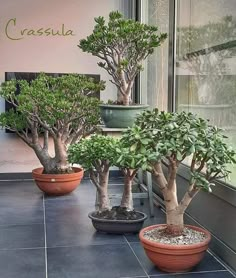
(174, 258)
(57, 184)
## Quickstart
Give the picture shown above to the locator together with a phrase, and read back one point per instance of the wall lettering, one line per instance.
(13, 33)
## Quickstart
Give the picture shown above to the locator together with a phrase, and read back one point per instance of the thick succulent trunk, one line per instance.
(103, 199)
(174, 216)
(126, 100)
(175, 222)
(127, 199)
(57, 164)
(45, 159)
(125, 97)
(62, 165)
(174, 210)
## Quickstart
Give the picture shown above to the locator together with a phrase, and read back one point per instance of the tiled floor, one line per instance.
(45, 237)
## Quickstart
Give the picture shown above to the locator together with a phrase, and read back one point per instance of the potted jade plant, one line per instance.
(56, 109)
(169, 139)
(122, 45)
(97, 154)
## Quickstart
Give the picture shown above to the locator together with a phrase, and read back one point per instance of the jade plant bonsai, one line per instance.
(129, 160)
(96, 154)
(169, 139)
(122, 45)
(59, 108)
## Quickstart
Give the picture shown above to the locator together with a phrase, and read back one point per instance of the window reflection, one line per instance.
(206, 62)
(154, 79)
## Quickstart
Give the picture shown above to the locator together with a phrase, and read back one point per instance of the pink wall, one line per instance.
(45, 53)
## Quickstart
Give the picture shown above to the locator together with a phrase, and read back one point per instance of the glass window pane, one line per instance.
(154, 78)
(206, 62)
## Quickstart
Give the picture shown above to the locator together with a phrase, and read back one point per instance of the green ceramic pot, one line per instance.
(119, 116)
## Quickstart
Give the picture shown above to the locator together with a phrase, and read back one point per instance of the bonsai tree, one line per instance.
(169, 139)
(130, 159)
(57, 107)
(122, 45)
(96, 154)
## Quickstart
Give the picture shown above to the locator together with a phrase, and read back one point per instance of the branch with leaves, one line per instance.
(59, 107)
(122, 45)
(169, 138)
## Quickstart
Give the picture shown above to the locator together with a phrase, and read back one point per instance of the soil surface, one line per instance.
(189, 236)
(59, 172)
(116, 102)
(118, 213)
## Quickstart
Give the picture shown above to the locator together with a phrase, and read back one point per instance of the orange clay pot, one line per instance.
(57, 184)
(174, 258)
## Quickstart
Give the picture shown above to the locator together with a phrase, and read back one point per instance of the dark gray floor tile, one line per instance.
(27, 263)
(20, 193)
(21, 214)
(84, 192)
(84, 199)
(107, 261)
(67, 211)
(19, 186)
(75, 234)
(21, 199)
(88, 254)
(209, 263)
(214, 274)
(25, 191)
(22, 236)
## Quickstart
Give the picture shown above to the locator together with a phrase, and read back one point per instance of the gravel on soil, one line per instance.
(189, 236)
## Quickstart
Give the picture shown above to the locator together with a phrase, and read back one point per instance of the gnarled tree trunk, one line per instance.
(45, 159)
(103, 199)
(127, 199)
(62, 165)
(174, 209)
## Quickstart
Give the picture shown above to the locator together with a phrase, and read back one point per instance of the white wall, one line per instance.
(46, 53)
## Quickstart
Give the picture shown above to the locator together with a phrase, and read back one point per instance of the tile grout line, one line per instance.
(133, 277)
(45, 238)
(85, 245)
(186, 273)
(19, 224)
(21, 248)
(136, 257)
(227, 268)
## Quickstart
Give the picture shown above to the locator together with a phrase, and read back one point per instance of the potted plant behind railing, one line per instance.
(97, 154)
(122, 45)
(56, 107)
(170, 138)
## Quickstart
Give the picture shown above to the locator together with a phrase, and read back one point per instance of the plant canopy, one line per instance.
(122, 45)
(59, 107)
